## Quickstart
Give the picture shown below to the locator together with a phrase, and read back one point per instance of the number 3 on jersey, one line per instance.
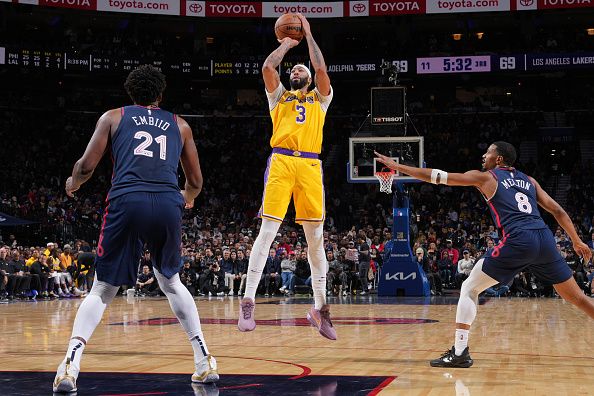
(148, 140)
(523, 203)
(300, 119)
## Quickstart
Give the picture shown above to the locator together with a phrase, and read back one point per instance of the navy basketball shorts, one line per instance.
(132, 220)
(532, 250)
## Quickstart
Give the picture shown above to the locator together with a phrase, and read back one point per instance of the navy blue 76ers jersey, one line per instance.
(146, 149)
(514, 205)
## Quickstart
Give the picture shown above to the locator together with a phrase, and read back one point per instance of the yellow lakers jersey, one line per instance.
(298, 119)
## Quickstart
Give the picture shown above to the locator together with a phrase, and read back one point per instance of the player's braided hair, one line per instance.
(145, 84)
(507, 151)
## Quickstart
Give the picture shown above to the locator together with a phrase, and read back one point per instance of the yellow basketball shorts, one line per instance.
(301, 178)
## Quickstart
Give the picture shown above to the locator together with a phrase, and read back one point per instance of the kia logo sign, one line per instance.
(399, 276)
(196, 8)
(359, 8)
(2, 219)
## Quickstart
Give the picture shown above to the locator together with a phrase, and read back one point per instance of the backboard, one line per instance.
(362, 165)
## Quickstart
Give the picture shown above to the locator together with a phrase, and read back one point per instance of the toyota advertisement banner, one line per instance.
(457, 6)
(315, 9)
(76, 4)
(328, 9)
(161, 7)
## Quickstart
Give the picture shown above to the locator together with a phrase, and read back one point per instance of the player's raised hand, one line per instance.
(582, 250)
(70, 187)
(291, 42)
(306, 28)
(187, 199)
(389, 162)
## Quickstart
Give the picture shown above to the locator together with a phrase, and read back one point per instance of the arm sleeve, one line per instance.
(324, 100)
(275, 96)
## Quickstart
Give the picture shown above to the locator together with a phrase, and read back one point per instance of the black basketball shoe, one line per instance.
(450, 359)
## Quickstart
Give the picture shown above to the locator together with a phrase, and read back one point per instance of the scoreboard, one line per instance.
(72, 61)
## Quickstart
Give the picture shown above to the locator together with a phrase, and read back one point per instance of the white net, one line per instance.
(385, 179)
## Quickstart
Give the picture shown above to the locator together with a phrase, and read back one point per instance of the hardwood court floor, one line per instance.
(520, 346)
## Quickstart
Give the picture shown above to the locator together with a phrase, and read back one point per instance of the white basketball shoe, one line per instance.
(206, 370)
(65, 381)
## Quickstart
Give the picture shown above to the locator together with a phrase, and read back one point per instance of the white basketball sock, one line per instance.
(314, 234)
(88, 317)
(461, 341)
(260, 251)
(476, 283)
(183, 306)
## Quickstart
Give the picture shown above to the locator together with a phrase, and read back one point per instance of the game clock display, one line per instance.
(454, 64)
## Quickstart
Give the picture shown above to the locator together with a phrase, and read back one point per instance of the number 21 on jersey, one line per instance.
(300, 119)
(147, 138)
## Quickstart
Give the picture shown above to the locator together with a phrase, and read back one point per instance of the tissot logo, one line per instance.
(387, 119)
(399, 276)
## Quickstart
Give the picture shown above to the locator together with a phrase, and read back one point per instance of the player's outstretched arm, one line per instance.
(85, 166)
(317, 59)
(471, 178)
(551, 206)
(269, 72)
(190, 164)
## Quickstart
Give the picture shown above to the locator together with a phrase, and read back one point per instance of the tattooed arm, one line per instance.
(317, 59)
(269, 72)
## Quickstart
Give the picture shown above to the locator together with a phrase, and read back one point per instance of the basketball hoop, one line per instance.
(385, 178)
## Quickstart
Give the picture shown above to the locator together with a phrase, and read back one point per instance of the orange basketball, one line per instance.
(288, 25)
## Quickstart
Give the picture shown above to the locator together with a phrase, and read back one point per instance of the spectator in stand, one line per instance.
(242, 266)
(146, 284)
(490, 245)
(465, 265)
(6, 281)
(215, 280)
(493, 234)
(227, 267)
(423, 262)
(336, 279)
(564, 242)
(288, 268)
(453, 253)
(364, 263)
(236, 274)
(302, 272)
(145, 260)
(446, 267)
(208, 259)
(272, 273)
(40, 268)
(188, 277)
(22, 279)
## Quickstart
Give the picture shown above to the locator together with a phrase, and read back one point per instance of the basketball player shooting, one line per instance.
(294, 170)
(144, 205)
(527, 242)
